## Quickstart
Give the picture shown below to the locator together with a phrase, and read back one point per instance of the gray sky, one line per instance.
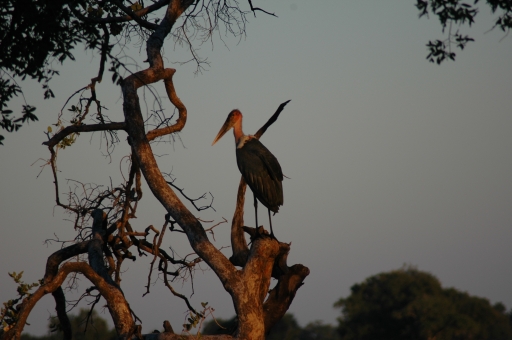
(391, 160)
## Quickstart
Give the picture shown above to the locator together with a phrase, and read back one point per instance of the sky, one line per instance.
(390, 160)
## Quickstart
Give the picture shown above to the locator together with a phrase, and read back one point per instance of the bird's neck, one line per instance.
(237, 131)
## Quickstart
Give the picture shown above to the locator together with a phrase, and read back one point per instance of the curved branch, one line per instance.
(115, 299)
(238, 242)
(174, 292)
(144, 155)
(182, 110)
(282, 295)
(83, 128)
(192, 200)
(105, 47)
(54, 260)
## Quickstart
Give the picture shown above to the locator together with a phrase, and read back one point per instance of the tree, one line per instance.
(106, 234)
(87, 325)
(411, 304)
(37, 36)
(34, 35)
(456, 13)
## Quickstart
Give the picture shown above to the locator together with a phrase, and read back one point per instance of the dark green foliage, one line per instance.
(31, 32)
(33, 36)
(410, 304)
(319, 331)
(454, 13)
(97, 328)
(9, 123)
(9, 313)
(286, 329)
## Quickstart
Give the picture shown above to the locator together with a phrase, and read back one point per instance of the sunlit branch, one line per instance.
(176, 101)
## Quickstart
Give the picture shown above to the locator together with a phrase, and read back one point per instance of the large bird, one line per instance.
(259, 167)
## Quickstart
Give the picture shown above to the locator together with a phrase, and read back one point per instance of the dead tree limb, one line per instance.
(83, 128)
(238, 242)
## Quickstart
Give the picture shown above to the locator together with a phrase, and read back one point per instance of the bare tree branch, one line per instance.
(83, 128)
(182, 110)
(254, 9)
(271, 121)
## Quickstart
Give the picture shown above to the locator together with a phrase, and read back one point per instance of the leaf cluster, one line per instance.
(10, 310)
(504, 21)
(37, 36)
(34, 34)
(9, 123)
(457, 12)
(410, 304)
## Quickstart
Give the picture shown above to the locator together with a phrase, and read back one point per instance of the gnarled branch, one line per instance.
(58, 137)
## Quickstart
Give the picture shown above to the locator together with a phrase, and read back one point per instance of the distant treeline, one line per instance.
(401, 304)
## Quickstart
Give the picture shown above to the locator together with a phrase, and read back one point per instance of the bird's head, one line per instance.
(234, 117)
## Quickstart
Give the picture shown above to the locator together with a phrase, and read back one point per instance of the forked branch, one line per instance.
(55, 276)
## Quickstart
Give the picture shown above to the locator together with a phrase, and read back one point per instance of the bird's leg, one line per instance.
(256, 210)
(270, 222)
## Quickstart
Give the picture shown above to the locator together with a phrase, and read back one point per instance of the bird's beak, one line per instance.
(228, 124)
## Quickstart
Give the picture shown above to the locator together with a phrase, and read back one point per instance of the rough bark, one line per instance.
(238, 242)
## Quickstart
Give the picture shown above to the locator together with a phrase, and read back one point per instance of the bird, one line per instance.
(258, 166)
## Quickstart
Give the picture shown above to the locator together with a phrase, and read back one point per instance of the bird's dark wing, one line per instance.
(262, 172)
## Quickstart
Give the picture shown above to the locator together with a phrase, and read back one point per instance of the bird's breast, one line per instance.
(244, 139)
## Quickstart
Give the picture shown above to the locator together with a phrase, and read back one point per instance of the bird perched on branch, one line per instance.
(259, 167)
